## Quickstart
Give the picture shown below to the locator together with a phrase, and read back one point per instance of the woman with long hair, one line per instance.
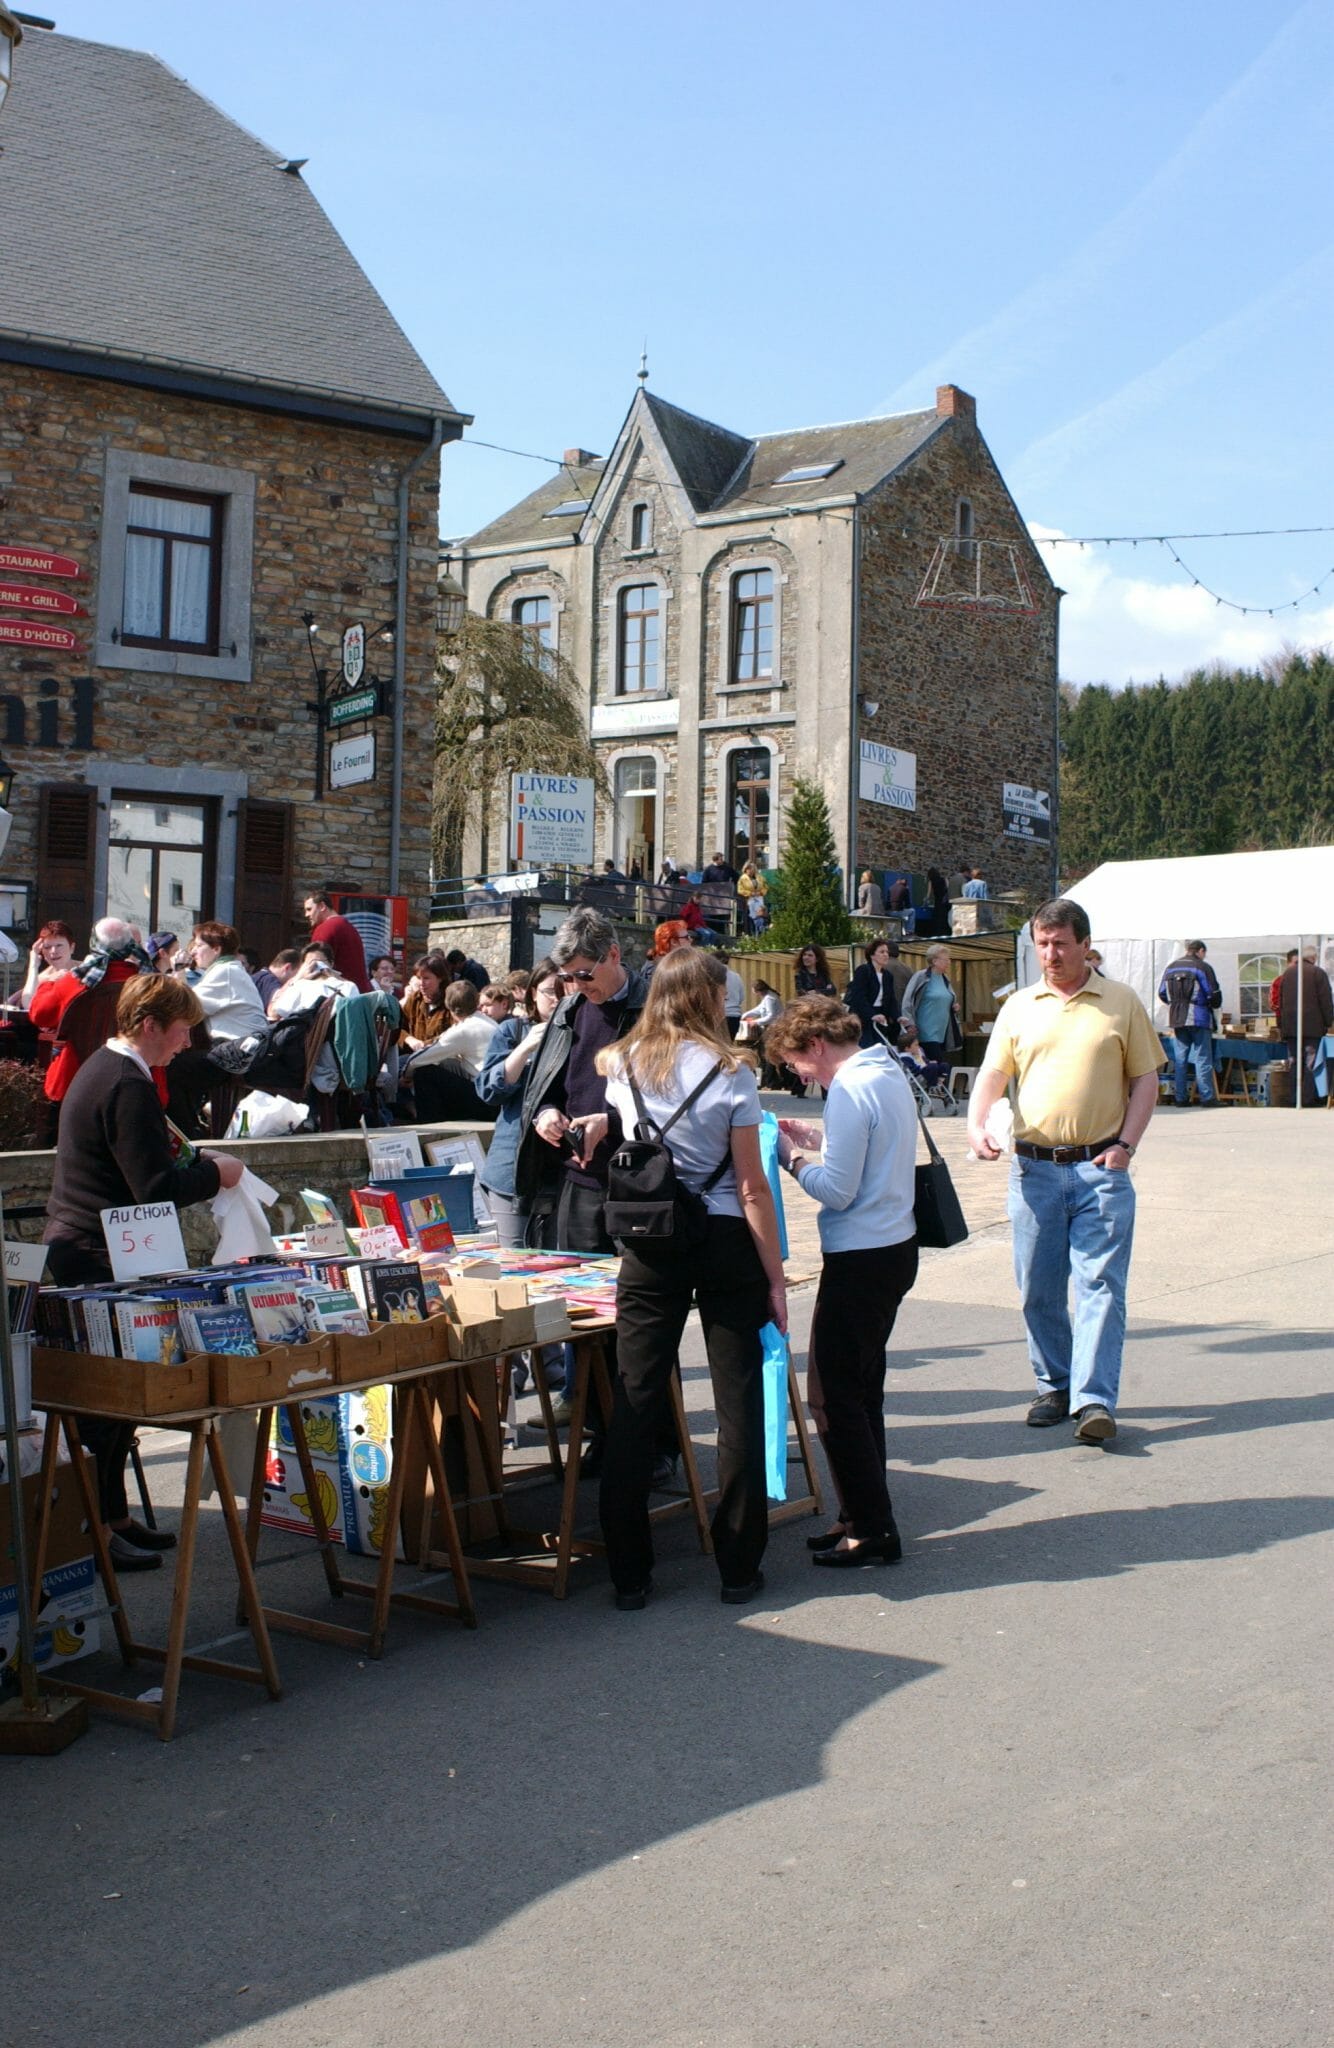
(813, 976)
(425, 1014)
(502, 1081)
(678, 1057)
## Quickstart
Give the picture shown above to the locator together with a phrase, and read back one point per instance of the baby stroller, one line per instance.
(930, 1085)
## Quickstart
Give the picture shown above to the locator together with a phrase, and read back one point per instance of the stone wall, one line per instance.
(331, 1162)
(970, 692)
(325, 511)
(482, 938)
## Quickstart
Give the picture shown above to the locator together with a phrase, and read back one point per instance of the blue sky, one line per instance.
(1109, 223)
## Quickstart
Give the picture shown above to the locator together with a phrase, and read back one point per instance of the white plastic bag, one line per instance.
(243, 1228)
(266, 1116)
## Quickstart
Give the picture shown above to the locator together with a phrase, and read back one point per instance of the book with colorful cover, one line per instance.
(427, 1221)
(274, 1308)
(390, 1290)
(320, 1208)
(334, 1311)
(147, 1329)
(376, 1208)
(221, 1328)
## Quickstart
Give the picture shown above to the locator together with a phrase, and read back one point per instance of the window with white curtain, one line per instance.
(173, 550)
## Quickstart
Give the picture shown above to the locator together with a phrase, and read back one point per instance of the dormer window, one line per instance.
(641, 527)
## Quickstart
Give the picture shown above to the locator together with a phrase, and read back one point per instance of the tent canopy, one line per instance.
(1211, 896)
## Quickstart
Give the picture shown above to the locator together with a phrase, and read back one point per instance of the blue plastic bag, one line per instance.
(773, 1172)
(774, 1346)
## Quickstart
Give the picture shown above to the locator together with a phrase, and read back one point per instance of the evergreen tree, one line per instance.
(812, 911)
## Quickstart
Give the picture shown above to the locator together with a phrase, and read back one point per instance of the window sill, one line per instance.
(733, 689)
(158, 661)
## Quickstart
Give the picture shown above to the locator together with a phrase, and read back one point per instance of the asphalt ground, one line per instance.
(1061, 1777)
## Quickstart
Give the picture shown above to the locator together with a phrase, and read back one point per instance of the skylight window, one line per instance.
(565, 508)
(809, 472)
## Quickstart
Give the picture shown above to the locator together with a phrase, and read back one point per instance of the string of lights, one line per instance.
(1168, 540)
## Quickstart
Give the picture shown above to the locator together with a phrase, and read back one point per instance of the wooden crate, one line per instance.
(132, 1387)
(370, 1357)
(276, 1374)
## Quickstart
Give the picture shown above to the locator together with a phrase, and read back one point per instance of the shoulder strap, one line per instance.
(693, 1097)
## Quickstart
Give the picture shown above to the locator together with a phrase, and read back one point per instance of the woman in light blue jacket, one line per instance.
(864, 1181)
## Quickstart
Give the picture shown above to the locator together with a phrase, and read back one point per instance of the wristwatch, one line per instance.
(1126, 1146)
(795, 1162)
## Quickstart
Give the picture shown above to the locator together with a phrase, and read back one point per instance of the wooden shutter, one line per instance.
(263, 913)
(66, 848)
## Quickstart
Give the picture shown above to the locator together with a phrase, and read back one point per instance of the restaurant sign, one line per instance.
(20, 598)
(21, 561)
(33, 633)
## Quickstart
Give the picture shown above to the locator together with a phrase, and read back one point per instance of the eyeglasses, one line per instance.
(578, 974)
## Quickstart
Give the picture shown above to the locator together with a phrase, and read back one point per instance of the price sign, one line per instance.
(329, 1241)
(24, 1262)
(379, 1241)
(144, 1240)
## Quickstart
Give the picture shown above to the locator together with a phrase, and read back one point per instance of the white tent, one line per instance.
(1249, 908)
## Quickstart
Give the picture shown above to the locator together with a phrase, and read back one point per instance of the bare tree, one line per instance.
(504, 702)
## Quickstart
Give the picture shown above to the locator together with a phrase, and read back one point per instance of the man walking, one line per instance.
(1190, 989)
(1085, 1059)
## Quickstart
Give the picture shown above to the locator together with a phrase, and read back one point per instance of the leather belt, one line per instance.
(1063, 1155)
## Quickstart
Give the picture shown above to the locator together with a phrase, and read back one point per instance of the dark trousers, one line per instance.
(74, 1265)
(855, 1309)
(653, 1298)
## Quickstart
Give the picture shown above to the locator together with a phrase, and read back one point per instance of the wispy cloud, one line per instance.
(1040, 323)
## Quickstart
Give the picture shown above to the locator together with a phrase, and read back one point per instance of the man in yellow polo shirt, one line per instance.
(1085, 1058)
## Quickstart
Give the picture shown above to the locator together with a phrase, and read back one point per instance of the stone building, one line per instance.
(744, 611)
(211, 428)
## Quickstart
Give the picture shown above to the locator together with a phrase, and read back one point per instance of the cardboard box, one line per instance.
(349, 1436)
(65, 1627)
(500, 1307)
(239, 1380)
(132, 1387)
(422, 1343)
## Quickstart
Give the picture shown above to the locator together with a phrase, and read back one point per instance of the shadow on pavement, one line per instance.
(1105, 1544)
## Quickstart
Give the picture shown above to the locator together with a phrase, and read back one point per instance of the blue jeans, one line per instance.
(1073, 1223)
(1193, 1046)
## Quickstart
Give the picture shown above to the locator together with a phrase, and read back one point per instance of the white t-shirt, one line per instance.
(468, 1042)
(702, 1138)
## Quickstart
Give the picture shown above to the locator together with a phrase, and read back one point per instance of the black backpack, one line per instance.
(1182, 985)
(645, 1199)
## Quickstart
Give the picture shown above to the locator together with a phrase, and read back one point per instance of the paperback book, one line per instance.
(226, 1328)
(148, 1330)
(390, 1290)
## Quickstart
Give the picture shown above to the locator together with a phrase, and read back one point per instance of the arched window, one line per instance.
(636, 786)
(533, 615)
(637, 639)
(752, 628)
(749, 805)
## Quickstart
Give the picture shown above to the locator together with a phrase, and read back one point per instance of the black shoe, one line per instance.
(664, 1478)
(737, 1596)
(886, 1549)
(590, 1465)
(146, 1539)
(634, 1598)
(1049, 1409)
(127, 1557)
(1094, 1425)
(829, 1541)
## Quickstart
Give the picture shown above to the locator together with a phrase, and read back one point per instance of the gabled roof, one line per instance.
(705, 456)
(724, 474)
(140, 223)
(867, 451)
(528, 520)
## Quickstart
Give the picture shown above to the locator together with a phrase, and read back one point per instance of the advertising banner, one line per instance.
(888, 776)
(551, 820)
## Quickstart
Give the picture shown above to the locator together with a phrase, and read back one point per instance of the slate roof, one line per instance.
(526, 521)
(727, 473)
(140, 222)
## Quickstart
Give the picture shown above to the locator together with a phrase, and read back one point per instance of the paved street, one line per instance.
(1059, 1780)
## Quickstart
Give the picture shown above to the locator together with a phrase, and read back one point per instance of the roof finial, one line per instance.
(642, 372)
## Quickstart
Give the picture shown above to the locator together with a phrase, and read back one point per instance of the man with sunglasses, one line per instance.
(566, 1136)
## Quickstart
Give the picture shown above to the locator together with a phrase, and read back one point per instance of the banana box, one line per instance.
(350, 1446)
(67, 1628)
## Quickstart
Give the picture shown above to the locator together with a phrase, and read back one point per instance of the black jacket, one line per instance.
(864, 999)
(115, 1150)
(536, 1161)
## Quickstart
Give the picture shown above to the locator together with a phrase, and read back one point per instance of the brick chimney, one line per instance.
(580, 458)
(953, 404)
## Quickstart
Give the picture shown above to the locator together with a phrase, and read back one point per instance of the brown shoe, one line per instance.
(1094, 1426)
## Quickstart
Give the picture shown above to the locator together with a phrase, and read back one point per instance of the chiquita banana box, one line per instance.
(349, 1439)
(66, 1627)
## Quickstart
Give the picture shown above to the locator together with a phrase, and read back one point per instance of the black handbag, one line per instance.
(936, 1208)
